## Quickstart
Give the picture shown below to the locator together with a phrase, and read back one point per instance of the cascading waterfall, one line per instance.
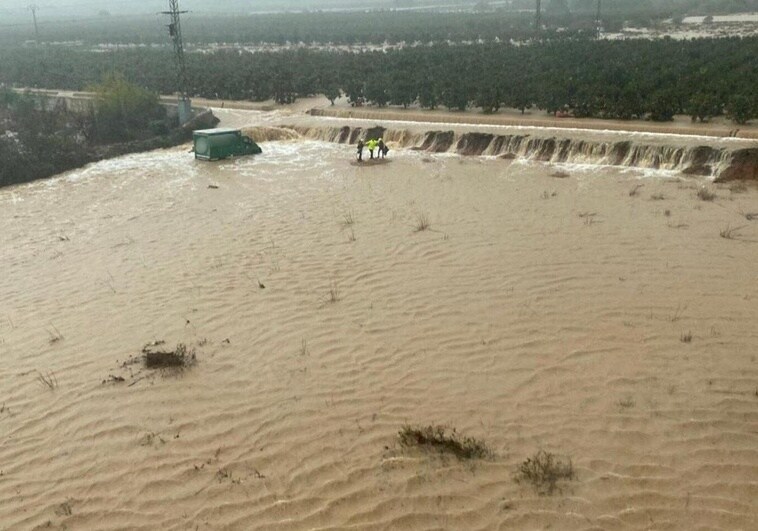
(718, 162)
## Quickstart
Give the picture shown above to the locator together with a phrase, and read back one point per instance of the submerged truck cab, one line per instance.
(216, 144)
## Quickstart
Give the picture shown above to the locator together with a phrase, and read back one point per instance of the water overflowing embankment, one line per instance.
(718, 162)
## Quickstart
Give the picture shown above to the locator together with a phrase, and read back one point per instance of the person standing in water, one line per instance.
(371, 145)
(382, 147)
(360, 150)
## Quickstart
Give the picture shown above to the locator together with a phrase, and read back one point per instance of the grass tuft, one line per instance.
(437, 438)
(543, 471)
(55, 335)
(348, 218)
(730, 233)
(626, 403)
(48, 379)
(677, 315)
(422, 222)
(334, 292)
(677, 225)
(704, 194)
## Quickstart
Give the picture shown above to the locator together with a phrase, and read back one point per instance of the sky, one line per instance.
(15, 11)
(69, 8)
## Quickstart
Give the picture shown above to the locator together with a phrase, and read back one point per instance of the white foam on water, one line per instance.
(588, 168)
(553, 131)
(11, 196)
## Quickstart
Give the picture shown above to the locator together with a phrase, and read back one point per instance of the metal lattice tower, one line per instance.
(537, 17)
(33, 8)
(598, 22)
(175, 32)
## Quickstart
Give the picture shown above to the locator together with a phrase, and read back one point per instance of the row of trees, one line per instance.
(489, 22)
(40, 137)
(609, 79)
(337, 28)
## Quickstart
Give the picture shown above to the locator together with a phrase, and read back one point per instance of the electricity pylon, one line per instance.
(33, 8)
(537, 17)
(175, 32)
(598, 22)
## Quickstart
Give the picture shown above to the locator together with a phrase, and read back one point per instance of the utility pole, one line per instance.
(598, 22)
(33, 8)
(537, 17)
(175, 32)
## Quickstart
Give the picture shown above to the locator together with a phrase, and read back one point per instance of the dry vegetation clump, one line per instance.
(686, 338)
(635, 189)
(543, 471)
(704, 194)
(422, 222)
(438, 439)
(179, 358)
(730, 233)
(55, 335)
(738, 187)
(334, 292)
(348, 218)
(626, 403)
(47, 379)
(677, 225)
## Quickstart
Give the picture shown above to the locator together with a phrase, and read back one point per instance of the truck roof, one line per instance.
(218, 131)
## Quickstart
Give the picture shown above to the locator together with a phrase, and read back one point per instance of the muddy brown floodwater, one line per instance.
(534, 313)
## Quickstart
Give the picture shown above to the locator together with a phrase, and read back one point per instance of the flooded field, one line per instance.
(605, 315)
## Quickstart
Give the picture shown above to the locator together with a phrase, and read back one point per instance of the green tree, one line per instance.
(740, 109)
(703, 106)
(123, 111)
(517, 97)
(332, 92)
(428, 96)
(662, 107)
(402, 90)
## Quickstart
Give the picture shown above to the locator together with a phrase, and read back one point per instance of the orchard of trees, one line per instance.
(482, 21)
(605, 79)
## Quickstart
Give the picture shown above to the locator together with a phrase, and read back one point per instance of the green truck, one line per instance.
(216, 144)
